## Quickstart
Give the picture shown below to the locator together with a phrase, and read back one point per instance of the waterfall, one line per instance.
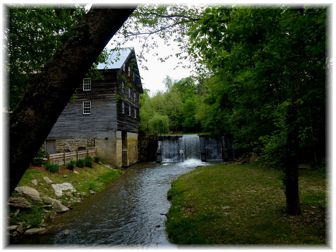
(178, 148)
(191, 147)
(182, 148)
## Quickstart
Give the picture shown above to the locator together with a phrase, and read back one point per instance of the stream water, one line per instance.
(130, 211)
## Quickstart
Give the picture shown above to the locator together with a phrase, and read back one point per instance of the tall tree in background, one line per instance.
(271, 63)
(52, 86)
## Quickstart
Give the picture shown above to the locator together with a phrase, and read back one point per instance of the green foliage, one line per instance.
(158, 124)
(39, 159)
(53, 168)
(97, 159)
(264, 60)
(80, 163)
(88, 161)
(71, 165)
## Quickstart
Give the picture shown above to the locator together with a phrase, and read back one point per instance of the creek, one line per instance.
(129, 211)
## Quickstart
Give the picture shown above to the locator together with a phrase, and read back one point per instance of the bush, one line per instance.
(52, 167)
(97, 159)
(71, 165)
(80, 163)
(40, 158)
(88, 161)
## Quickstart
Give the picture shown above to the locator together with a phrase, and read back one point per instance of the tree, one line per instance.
(52, 87)
(34, 35)
(269, 61)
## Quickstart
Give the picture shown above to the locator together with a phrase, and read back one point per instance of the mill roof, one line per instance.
(116, 59)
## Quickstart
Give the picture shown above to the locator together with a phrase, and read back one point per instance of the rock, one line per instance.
(47, 180)
(65, 176)
(20, 228)
(19, 202)
(76, 172)
(92, 192)
(66, 232)
(226, 207)
(34, 231)
(55, 204)
(68, 194)
(29, 192)
(12, 227)
(59, 188)
(16, 212)
(34, 182)
(59, 207)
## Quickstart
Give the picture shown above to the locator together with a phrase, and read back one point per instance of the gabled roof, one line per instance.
(116, 59)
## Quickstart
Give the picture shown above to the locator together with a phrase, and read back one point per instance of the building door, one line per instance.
(51, 146)
(124, 148)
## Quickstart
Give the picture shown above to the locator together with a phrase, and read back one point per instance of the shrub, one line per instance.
(71, 165)
(52, 167)
(97, 159)
(80, 163)
(40, 158)
(88, 161)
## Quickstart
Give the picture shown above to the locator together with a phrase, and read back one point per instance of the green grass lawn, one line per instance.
(244, 204)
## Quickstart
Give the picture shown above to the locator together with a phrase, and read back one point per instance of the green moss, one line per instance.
(243, 204)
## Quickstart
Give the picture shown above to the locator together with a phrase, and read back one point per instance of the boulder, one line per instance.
(29, 192)
(59, 207)
(12, 228)
(34, 231)
(47, 180)
(34, 182)
(19, 202)
(55, 204)
(59, 188)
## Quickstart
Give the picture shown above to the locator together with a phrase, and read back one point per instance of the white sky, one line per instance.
(152, 78)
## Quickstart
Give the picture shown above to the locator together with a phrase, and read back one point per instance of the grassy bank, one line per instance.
(244, 204)
(86, 181)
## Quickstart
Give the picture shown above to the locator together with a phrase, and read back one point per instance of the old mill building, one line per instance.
(103, 113)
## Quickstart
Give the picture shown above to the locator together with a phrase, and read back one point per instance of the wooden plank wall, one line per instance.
(66, 157)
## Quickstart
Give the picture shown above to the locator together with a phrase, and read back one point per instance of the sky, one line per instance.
(153, 72)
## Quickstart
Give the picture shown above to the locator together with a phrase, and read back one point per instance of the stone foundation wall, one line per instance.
(132, 148)
(68, 145)
(106, 149)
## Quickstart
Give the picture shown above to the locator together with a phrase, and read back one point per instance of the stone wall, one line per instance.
(132, 148)
(106, 149)
(68, 145)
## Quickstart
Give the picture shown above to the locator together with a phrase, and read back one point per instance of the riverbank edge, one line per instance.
(38, 217)
(234, 204)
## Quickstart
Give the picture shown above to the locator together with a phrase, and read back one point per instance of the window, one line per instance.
(122, 107)
(129, 93)
(129, 71)
(129, 110)
(86, 84)
(135, 113)
(134, 96)
(133, 76)
(86, 107)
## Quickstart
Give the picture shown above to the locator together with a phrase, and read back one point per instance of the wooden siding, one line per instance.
(106, 116)
(65, 157)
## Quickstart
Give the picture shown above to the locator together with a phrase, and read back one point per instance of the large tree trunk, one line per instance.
(292, 166)
(49, 93)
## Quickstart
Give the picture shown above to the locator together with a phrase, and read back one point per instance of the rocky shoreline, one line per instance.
(34, 204)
